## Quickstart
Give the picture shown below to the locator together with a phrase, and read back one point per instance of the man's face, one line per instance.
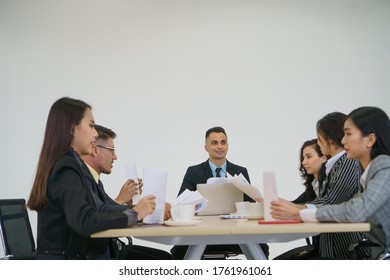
(106, 155)
(217, 146)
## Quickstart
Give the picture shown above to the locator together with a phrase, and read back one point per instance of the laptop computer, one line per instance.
(221, 198)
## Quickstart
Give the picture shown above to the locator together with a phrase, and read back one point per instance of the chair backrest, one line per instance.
(15, 229)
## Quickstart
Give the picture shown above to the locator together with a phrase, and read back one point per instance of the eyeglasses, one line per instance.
(112, 149)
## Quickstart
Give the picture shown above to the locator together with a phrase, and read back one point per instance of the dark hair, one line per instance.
(64, 115)
(373, 120)
(216, 129)
(331, 127)
(309, 178)
(104, 133)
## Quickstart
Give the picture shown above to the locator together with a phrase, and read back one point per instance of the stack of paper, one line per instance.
(241, 183)
(155, 183)
(270, 193)
(191, 197)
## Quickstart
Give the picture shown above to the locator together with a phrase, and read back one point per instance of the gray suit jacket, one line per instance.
(372, 205)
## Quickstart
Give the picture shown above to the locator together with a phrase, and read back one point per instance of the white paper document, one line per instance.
(155, 183)
(241, 183)
(270, 193)
(131, 174)
(131, 171)
(248, 189)
(191, 197)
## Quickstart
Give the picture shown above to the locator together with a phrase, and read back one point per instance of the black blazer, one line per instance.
(103, 202)
(198, 174)
(98, 248)
(69, 216)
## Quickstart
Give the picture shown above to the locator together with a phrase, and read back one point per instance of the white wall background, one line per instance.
(160, 73)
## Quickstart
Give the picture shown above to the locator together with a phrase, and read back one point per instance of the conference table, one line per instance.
(214, 230)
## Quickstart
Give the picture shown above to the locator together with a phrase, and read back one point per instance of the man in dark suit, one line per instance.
(100, 161)
(217, 146)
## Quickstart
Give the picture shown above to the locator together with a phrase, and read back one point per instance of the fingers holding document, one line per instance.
(285, 210)
(145, 206)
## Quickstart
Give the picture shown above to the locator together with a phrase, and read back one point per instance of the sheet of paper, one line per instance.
(240, 182)
(131, 174)
(248, 189)
(131, 170)
(217, 180)
(270, 193)
(155, 183)
(191, 197)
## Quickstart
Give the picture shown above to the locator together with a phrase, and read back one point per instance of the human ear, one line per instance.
(371, 140)
(94, 150)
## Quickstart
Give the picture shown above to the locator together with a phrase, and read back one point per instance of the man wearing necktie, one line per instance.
(101, 161)
(217, 146)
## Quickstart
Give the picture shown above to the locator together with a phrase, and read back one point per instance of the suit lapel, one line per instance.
(230, 169)
(207, 173)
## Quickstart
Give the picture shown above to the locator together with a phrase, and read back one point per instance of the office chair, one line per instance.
(305, 252)
(15, 230)
(215, 254)
(376, 249)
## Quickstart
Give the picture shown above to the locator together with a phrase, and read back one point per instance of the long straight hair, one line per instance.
(373, 120)
(64, 115)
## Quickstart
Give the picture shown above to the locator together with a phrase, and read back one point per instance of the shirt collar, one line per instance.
(94, 173)
(213, 167)
(316, 187)
(363, 178)
(329, 164)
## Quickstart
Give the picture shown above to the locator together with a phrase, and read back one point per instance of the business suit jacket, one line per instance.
(103, 202)
(69, 217)
(98, 248)
(198, 174)
(341, 184)
(372, 205)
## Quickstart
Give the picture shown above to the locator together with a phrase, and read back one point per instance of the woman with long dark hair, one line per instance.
(342, 183)
(366, 139)
(312, 170)
(60, 193)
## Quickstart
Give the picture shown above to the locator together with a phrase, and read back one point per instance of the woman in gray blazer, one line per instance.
(367, 139)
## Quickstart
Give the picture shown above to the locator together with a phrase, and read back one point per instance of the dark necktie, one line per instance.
(101, 191)
(218, 172)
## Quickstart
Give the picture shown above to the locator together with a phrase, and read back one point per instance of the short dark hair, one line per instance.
(104, 132)
(373, 120)
(331, 127)
(216, 129)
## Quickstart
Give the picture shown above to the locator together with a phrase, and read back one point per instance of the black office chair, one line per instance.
(305, 252)
(221, 253)
(377, 249)
(15, 229)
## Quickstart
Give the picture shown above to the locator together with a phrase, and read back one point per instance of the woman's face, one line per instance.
(356, 145)
(312, 162)
(84, 134)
